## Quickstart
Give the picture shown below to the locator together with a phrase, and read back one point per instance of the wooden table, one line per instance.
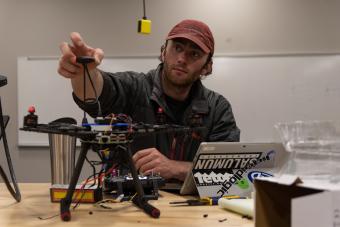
(36, 203)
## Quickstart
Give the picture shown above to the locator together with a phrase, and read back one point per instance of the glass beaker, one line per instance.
(313, 146)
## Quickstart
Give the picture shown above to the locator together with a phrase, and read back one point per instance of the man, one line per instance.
(173, 91)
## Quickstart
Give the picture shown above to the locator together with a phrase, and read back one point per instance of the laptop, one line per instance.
(229, 168)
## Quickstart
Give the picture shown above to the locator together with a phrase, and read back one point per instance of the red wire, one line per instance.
(93, 179)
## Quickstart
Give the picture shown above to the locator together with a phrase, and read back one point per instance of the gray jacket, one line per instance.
(139, 95)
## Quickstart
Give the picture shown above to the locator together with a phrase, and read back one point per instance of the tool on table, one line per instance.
(205, 201)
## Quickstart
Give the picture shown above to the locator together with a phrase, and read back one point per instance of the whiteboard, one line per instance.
(263, 90)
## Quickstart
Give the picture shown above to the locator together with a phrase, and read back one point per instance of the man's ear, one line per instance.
(207, 68)
(162, 57)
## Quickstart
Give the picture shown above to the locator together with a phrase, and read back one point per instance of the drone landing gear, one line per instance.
(139, 200)
(15, 192)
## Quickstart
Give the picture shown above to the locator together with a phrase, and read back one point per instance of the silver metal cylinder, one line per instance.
(62, 149)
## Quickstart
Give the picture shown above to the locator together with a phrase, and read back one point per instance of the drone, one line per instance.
(114, 135)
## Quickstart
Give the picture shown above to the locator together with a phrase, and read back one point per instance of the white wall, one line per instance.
(36, 27)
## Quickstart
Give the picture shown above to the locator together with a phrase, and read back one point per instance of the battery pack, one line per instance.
(86, 195)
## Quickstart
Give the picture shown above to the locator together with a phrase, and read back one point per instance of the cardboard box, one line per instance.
(287, 202)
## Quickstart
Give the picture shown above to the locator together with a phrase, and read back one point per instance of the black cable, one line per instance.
(144, 11)
(49, 217)
(95, 92)
(93, 169)
(90, 100)
(99, 155)
(92, 84)
(84, 121)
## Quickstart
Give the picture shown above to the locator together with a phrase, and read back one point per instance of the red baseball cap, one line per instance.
(196, 31)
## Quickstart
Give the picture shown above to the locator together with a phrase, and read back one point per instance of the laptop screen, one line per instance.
(225, 168)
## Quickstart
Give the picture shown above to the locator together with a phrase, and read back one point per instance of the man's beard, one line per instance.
(178, 82)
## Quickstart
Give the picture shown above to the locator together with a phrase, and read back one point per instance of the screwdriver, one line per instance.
(206, 200)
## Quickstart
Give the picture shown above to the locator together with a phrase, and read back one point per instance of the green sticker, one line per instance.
(243, 183)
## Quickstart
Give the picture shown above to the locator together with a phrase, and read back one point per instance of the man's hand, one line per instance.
(69, 68)
(150, 161)
(67, 63)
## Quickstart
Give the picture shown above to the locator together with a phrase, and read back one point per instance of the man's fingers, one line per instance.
(67, 64)
(153, 171)
(77, 40)
(65, 49)
(147, 167)
(143, 160)
(98, 55)
(140, 154)
(79, 44)
(68, 54)
(66, 73)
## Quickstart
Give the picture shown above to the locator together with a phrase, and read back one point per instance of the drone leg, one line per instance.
(139, 199)
(14, 192)
(136, 181)
(65, 203)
